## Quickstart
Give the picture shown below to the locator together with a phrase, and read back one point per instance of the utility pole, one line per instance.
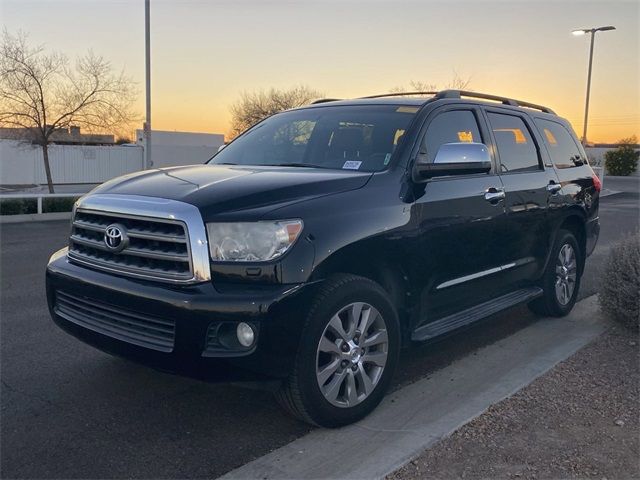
(147, 124)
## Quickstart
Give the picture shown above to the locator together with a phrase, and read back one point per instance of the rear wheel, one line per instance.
(348, 350)
(561, 280)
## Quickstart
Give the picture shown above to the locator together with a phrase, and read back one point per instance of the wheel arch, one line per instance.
(574, 222)
(372, 261)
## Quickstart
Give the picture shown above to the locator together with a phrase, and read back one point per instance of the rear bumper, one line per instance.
(276, 311)
(592, 230)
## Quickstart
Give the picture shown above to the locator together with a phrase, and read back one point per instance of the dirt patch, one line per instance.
(579, 420)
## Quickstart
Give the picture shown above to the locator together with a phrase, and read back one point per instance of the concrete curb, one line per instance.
(413, 418)
(606, 192)
(36, 217)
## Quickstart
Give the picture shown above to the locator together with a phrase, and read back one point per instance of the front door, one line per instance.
(461, 218)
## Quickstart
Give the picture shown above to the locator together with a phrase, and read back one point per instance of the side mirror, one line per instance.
(462, 158)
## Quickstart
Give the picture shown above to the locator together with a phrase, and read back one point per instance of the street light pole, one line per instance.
(147, 123)
(591, 31)
(586, 103)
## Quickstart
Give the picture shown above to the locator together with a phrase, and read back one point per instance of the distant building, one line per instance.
(61, 136)
(180, 148)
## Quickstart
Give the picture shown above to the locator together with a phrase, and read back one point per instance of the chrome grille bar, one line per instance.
(163, 239)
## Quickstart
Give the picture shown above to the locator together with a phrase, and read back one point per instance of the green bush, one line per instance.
(58, 204)
(22, 206)
(18, 206)
(623, 160)
(620, 293)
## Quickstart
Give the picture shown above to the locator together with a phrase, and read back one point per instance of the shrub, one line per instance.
(57, 204)
(21, 206)
(623, 160)
(620, 293)
(18, 206)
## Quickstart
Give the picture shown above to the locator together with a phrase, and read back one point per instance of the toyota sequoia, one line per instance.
(322, 240)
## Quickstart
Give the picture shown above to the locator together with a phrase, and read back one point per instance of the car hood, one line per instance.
(228, 188)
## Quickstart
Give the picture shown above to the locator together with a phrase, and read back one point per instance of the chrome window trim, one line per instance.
(154, 208)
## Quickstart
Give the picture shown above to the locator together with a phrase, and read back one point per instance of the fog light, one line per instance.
(245, 334)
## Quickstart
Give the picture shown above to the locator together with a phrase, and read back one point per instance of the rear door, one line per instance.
(530, 187)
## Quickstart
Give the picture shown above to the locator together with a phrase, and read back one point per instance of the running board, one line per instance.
(473, 314)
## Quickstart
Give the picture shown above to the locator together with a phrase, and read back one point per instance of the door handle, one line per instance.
(494, 195)
(554, 188)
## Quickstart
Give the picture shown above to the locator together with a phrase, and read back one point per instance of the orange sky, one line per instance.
(206, 53)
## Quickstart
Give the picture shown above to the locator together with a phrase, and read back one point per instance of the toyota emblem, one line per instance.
(115, 237)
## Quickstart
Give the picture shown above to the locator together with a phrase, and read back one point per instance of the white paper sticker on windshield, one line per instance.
(352, 165)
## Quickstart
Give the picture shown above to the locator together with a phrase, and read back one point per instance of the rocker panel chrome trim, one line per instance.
(484, 273)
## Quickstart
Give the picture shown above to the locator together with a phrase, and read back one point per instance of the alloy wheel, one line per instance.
(566, 273)
(352, 354)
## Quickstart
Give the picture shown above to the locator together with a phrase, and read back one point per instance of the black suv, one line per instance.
(325, 238)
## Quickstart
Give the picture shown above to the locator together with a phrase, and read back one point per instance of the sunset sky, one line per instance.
(205, 53)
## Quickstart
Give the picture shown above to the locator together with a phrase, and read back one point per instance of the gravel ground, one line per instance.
(579, 420)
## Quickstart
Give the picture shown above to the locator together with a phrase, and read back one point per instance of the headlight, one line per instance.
(251, 241)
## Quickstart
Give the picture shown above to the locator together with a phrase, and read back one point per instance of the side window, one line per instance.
(451, 127)
(518, 152)
(561, 144)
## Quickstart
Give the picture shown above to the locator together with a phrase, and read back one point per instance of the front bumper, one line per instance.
(276, 310)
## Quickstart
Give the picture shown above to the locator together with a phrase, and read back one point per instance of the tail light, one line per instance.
(596, 182)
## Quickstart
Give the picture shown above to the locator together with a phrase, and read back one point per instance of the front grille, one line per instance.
(155, 248)
(132, 327)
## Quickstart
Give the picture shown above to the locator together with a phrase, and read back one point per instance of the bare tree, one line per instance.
(254, 107)
(41, 93)
(456, 83)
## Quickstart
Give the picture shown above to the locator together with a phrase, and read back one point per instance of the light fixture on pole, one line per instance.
(147, 123)
(591, 31)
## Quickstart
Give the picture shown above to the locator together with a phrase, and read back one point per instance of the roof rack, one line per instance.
(464, 93)
(325, 100)
(496, 98)
(399, 94)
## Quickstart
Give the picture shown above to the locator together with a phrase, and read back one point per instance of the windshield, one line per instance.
(346, 137)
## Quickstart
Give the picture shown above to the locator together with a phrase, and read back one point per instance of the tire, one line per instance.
(560, 286)
(354, 376)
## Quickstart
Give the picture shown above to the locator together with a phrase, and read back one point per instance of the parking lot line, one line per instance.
(413, 418)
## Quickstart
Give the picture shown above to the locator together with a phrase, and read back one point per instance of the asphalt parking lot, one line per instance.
(69, 411)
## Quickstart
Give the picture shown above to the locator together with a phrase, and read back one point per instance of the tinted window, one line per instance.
(562, 147)
(352, 138)
(451, 127)
(515, 144)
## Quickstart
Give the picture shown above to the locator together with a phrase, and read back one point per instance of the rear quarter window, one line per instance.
(561, 144)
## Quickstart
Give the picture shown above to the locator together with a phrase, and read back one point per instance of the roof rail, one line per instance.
(398, 94)
(463, 93)
(325, 100)
(496, 98)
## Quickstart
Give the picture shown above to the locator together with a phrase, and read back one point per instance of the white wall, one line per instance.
(181, 148)
(22, 163)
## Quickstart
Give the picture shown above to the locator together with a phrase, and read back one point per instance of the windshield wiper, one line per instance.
(294, 164)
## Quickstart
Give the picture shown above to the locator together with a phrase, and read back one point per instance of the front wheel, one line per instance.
(561, 280)
(348, 351)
